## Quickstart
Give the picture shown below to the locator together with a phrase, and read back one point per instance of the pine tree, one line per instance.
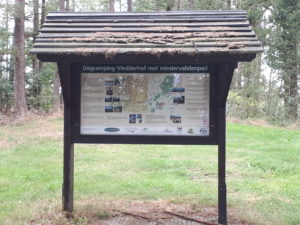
(111, 5)
(282, 53)
(19, 62)
(129, 5)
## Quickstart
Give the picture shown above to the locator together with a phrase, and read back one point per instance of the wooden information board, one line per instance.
(146, 78)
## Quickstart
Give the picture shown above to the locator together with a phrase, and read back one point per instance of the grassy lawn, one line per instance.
(263, 168)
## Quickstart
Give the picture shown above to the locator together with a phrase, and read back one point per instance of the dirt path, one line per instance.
(99, 212)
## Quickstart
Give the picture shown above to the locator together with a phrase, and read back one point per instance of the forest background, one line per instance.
(266, 88)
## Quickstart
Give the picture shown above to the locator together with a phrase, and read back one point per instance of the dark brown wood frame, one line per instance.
(142, 139)
(221, 75)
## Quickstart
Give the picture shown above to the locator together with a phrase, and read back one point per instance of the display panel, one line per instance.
(145, 100)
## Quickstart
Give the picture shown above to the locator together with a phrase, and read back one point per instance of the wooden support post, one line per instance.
(67, 195)
(224, 80)
(222, 190)
(68, 179)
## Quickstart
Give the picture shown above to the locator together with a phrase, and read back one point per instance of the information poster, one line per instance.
(145, 100)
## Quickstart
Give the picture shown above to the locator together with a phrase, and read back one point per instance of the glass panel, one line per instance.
(145, 104)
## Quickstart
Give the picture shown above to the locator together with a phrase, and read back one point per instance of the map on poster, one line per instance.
(145, 100)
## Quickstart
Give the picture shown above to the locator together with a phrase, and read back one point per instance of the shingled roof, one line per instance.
(225, 32)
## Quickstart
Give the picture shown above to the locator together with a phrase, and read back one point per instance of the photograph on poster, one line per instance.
(132, 118)
(117, 82)
(109, 82)
(139, 118)
(177, 89)
(109, 91)
(178, 99)
(135, 118)
(175, 118)
(108, 99)
(109, 108)
(116, 99)
(117, 108)
(112, 99)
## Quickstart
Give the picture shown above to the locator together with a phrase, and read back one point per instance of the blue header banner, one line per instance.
(143, 68)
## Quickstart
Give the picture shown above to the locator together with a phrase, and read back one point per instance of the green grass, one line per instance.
(263, 168)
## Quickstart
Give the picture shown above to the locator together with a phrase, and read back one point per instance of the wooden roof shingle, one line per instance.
(225, 32)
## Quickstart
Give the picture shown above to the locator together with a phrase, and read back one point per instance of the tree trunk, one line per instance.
(19, 64)
(73, 5)
(158, 5)
(178, 5)
(9, 60)
(56, 94)
(35, 61)
(294, 96)
(43, 12)
(228, 3)
(270, 105)
(287, 19)
(290, 81)
(67, 5)
(236, 82)
(111, 5)
(11, 63)
(129, 5)
(35, 17)
(62, 6)
(43, 17)
(239, 81)
(170, 5)
(56, 83)
(191, 4)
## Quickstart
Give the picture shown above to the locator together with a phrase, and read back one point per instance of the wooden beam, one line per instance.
(225, 76)
(152, 29)
(148, 14)
(68, 172)
(185, 24)
(222, 189)
(224, 80)
(140, 58)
